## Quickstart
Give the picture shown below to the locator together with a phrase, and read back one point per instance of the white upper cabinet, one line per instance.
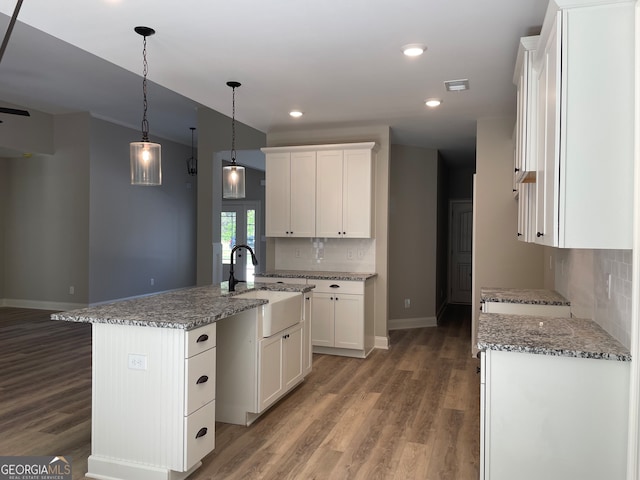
(344, 203)
(583, 69)
(336, 200)
(290, 194)
(523, 78)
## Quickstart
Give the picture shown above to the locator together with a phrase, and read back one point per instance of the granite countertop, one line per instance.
(568, 337)
(522, 295)
(186, 308)
(317, 275)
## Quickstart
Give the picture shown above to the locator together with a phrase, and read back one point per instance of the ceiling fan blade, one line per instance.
(7, 35)
(14, 111)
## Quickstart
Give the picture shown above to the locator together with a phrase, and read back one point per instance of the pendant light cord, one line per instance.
(233, 127)
(145, 70)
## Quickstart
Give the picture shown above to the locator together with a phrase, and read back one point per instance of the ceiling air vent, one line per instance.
(456, 85)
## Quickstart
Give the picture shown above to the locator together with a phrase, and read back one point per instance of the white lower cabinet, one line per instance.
(342, 317)
(280, 369)
(153, 401)
(552, 417)
(255, 371)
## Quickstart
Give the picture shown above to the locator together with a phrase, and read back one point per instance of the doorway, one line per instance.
(239, 225)
(460, 243)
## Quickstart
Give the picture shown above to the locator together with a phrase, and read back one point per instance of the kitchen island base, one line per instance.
(102, 468)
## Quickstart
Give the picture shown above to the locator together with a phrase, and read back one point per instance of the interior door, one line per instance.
(239, 226)
(460, 240)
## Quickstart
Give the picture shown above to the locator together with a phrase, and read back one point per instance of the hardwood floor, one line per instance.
(410, 412)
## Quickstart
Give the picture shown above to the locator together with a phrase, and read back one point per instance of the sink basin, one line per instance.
(283, 310)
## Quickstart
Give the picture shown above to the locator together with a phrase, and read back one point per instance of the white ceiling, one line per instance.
(339, 61)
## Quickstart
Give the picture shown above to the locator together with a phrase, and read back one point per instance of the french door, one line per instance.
(239, 226)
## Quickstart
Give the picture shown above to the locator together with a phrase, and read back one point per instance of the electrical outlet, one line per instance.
(72, 290)
(297, 253)
(360, 253)
(407, 303)
(609, 287)
(137, 362)
(350, 254)
(153, 282)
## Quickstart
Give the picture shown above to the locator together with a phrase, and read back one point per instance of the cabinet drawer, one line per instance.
(200, 379)
(291, 280)
(200, 339)
(338, 286)
(199, 434)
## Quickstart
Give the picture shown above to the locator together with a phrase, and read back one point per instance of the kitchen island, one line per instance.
(154, 377)
(554, 399)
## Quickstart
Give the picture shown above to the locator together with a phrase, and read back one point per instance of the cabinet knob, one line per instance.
(514, 190)
(202, 338)
(519, 234)
(539, 234)
(344, 233)
(202, 432)
(517, 169)
(337, 299)
(202, 379)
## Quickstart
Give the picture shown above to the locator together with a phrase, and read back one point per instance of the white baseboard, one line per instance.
(382, 342)
(404, 323)
(40, 305)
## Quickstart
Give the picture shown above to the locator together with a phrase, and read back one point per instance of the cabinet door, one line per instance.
(292, 352)
(349, 321)
(357, 178)
(307, 350)
(548, 135)
(303, 195)
(322, 333)
(270, 371)
(329, 193)
(277, 194)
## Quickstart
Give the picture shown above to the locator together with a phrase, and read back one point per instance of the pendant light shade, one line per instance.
(145, 156)
(233, 175)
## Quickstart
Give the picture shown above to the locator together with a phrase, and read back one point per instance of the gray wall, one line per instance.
(46, 220)
(138, 233)
(73, 219)
(413, 213)
(500, 260)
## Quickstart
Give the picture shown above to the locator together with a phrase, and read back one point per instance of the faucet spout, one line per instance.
(232, 279)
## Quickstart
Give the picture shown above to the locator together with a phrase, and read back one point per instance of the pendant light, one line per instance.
(192, 162)
(233, 175)
(145, 156)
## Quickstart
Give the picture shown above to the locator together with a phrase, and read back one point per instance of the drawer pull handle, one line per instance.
(333, 285)
(202, 432)
(202, 338)
(202, 379)
(279, 281)
(539, 234)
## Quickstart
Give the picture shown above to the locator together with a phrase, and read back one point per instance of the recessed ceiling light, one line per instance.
(433, 102)
(295, 113)
(456, 85)
(414, 49)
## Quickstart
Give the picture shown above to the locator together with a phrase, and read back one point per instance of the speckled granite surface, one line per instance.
(186, 308)
(569, 337)
(522, 295)
(317, 275)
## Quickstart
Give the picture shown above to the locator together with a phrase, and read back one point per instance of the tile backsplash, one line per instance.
(326, 254)
(582, 276)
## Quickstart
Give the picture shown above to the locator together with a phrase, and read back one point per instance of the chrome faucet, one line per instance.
(232, 280)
